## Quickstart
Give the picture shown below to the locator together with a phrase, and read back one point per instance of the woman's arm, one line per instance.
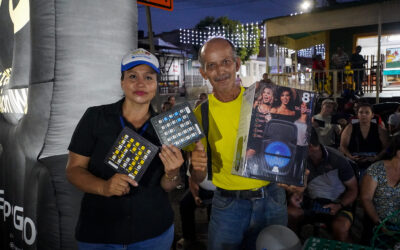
(172, 159)
(345, 141)
(384, 138)
(78, 174)
(368, 187)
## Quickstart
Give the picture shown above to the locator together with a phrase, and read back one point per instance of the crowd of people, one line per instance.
(350, 72)
(349, 156)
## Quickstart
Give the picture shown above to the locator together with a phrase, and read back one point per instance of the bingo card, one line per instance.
(177, 126)
(131, 154)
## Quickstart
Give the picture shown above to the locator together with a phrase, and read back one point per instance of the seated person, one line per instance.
(365, 141)
(166, 106)
(198, 195)
(202, 97)
(380, 188)
(332, 184)
(322, 123)
(375, 119)
(394, 122)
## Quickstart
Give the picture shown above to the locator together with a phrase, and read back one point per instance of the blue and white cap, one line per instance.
(138, 57)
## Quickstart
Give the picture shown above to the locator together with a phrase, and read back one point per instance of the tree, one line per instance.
(245, 37)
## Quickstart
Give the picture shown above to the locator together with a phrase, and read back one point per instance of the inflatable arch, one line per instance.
(57, 57)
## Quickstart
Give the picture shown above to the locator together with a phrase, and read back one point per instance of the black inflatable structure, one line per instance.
(57, 57)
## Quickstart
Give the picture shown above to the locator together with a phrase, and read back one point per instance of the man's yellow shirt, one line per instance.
(223, 126)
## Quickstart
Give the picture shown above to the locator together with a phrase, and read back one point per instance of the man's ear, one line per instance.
(203, 73)
(238, 62)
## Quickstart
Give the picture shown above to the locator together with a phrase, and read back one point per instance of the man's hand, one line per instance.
(199, 158)
(198, 201)
(334, 208)
(296, 199)
(118, 185)
(296, 189)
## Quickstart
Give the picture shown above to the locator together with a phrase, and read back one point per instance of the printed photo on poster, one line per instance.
(273, 134)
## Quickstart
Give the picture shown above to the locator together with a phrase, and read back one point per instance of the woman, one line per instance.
(286, 102)
(364, 142)
(262, 112)
(115, 209)
(301, 124)
(380, 188)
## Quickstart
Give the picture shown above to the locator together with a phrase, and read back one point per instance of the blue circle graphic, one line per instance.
(277, 154)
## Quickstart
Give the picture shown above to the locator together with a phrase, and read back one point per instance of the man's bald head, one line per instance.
(215, 40)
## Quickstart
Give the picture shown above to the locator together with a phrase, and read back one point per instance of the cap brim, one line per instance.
(136, 63)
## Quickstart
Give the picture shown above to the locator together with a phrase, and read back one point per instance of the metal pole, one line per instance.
(296, 77)
(266, 49)
(150, 29)
(152, 50)
(277, 57)
(378, 68)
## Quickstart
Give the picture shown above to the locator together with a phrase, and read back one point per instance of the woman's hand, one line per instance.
(118, 185)
(172, 159)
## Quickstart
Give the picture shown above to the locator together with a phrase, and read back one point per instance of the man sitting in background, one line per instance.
(394, 122)
(322, 123)
(330, 192)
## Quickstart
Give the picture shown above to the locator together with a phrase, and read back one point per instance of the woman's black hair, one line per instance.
(393, 148)
(290, 105)
(364, 104)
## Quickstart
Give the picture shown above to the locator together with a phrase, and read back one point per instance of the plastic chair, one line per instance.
(389, 239)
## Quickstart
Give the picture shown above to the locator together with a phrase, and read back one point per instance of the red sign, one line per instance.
(162, 4)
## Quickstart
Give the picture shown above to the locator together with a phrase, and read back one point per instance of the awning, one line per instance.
(345, 17)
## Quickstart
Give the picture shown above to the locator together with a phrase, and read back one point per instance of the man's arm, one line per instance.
(347, 198)
(198, 169)
(350, 195)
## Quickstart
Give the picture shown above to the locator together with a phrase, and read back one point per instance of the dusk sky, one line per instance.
(187, 13)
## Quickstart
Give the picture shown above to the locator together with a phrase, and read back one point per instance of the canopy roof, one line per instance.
(305, 30)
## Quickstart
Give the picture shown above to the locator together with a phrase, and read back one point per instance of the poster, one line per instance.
(393, 58)
(274, 132)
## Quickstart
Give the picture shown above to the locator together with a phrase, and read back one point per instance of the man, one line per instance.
(265, 78)
(339, 59)
(326, 131)
(241, 207)
(332, 185)
(238, 80)
(318, 68)
(171, 100)
(202, 97)
(357, 64)
(394, 122)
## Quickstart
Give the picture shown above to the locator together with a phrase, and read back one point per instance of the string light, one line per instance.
(319, 49)
(244, 35)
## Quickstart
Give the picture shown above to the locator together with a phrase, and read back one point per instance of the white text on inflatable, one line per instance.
(12, 100)
(20, 15)
(21, 223)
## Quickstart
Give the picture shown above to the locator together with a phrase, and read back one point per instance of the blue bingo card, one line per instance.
(177, 126)
(131, 154)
